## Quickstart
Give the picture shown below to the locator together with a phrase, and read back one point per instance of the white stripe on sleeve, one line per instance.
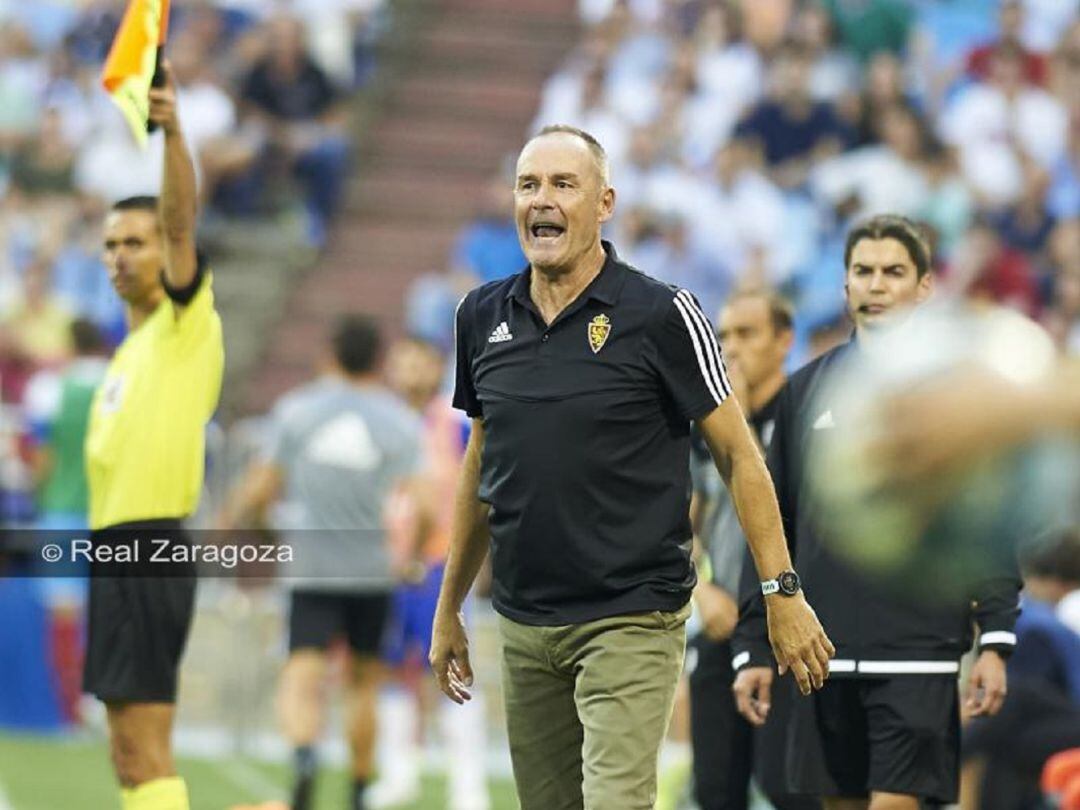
(709, 336)
(997, 637)
(706, 361)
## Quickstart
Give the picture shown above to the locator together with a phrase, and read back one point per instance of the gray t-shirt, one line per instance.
(343, 448)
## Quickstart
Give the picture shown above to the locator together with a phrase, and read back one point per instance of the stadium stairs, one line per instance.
(459, 83)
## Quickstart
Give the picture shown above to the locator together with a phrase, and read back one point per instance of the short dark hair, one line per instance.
(594, 145)
(356, 342)
(781, 310)
(142, 202)
(86, 337)
(1055, 556)
(892, 226)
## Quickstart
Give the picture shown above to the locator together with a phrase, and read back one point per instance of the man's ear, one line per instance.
(607, 204)
(925, 287)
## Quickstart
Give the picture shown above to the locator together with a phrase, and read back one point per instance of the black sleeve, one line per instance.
(997, 605)
(750, 641)
(183, 295)
(686, 357)
(465, 398)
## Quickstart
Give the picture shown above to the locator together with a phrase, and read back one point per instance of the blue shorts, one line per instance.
(411, 615)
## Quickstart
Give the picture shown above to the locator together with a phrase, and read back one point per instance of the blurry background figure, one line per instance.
(945, 526)
(755, 329)
(408, 706)
(1004, 755)
(338, 448)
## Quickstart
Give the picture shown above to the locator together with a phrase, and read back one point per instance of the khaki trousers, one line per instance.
(587, 707)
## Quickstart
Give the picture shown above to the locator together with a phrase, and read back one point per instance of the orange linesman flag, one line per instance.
(129, 68)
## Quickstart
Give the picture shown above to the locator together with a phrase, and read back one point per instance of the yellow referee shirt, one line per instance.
(145, 445)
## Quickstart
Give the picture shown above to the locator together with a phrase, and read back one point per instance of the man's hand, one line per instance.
(947, 426)
(719, 613)
(986, 685)
(449, 656)
(798, 640)
(163, 102)
(752, 688)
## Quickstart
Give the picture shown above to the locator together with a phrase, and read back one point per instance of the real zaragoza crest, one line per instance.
(599, 329)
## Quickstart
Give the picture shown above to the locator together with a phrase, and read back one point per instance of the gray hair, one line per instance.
(598, 153)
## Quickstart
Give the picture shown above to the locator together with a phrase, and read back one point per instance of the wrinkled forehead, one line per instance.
(557, 153)
(887, 252)
(132, 223)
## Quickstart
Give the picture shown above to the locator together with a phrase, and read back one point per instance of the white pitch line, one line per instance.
(247, 778)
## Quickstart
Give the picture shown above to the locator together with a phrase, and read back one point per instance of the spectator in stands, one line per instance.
(1010, 30)
(949, 206)
(488, 247)
(21, 72)
(665, 250)
(730, 69)
(44, 164)
(40, 324)
(984, 267)
(870, 26)
(218, 149)
(996, 122)
(1026, 225)
(883, 89)
(834, 71)
(298, 108)
(792, 130)
(739, 213)
(878, 178)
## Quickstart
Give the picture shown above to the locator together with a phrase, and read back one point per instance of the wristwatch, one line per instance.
(786, 583)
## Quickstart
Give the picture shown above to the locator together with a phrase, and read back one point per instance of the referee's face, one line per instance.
(133, 255)
(560, 202)
(882, 280)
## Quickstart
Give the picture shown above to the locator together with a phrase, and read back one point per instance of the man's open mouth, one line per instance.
(546, 230)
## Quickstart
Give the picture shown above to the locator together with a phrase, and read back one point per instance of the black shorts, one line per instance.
(316, 618)
(896, 735)
(137, 620)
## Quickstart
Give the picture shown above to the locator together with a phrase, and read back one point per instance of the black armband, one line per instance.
(183, 295)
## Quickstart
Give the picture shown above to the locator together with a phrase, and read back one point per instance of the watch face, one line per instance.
(789, 582)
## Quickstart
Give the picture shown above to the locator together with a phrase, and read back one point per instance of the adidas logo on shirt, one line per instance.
(501, 334)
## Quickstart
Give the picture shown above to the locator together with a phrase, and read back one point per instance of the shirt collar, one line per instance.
(605, 288)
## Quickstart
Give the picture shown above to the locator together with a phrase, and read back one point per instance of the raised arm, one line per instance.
(177, 202)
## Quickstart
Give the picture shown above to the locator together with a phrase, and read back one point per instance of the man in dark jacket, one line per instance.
(887, 722)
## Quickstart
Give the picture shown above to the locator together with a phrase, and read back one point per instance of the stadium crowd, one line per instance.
(745, 138)
(261, 86)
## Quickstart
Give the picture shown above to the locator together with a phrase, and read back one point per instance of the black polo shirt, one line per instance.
(587, 441)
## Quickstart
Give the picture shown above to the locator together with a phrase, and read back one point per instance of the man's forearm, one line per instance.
(469, 535)
(755, 503)
(177, 210)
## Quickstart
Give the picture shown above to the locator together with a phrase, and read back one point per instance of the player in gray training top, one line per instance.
(338, 447)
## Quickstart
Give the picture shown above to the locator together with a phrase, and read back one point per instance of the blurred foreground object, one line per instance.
(941, 451)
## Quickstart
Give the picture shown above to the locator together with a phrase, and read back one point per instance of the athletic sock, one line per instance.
(159, 794)
(358, 788)
(303, 787)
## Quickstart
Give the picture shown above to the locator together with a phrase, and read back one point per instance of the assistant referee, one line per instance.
(144, 457)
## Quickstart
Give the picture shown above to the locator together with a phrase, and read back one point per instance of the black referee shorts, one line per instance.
(899, 734)
(317, 618)
(138, 618)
